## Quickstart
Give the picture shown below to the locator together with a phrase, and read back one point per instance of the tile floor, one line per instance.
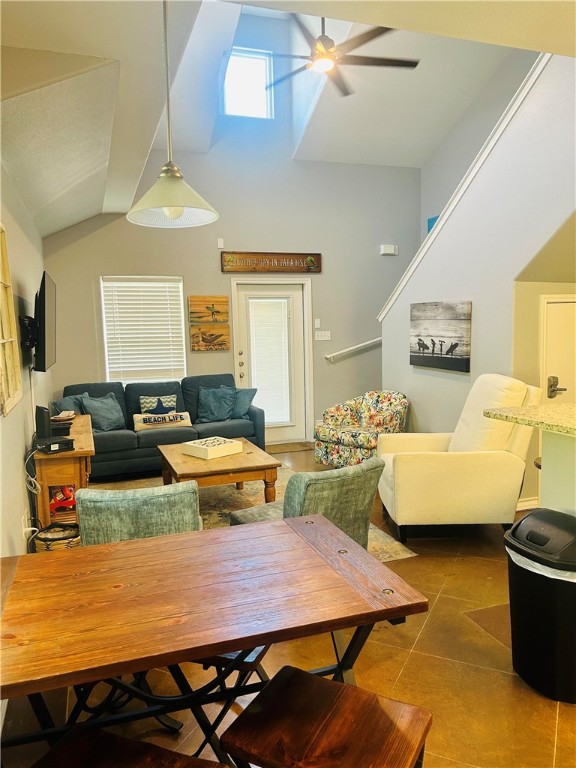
(455, 660)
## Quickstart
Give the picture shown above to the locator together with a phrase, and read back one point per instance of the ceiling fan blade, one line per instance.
(377, 61)
(364, 37)
(310, 39)
(336, 76)
(290, 56)
(286, 77)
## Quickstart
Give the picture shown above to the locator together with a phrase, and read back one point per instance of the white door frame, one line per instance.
(306, 283)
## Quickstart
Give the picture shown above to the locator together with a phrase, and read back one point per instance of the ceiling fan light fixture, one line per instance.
(171, 202)
(326, 57)
(322, 64)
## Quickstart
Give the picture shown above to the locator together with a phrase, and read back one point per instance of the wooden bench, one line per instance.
(305, 720)
(89, 747)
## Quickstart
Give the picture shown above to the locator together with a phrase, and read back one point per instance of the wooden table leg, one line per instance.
(239, 486)
(166, 474)
(269, 491)
(270, 485)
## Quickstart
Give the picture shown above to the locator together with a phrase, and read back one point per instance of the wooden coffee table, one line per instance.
(252, 464)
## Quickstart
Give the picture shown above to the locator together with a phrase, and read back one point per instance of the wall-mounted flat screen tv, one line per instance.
(39, 332)
(45, 322)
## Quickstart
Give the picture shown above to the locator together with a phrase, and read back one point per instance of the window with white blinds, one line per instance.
(143, 322)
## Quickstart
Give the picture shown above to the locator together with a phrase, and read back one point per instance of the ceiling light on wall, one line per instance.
(171, 202)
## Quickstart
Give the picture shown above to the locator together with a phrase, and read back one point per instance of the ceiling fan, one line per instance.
(325, 56)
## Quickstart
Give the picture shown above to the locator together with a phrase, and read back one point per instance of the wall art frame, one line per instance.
(250, 261)
(209, 318)
(10, 363)
(440, 335)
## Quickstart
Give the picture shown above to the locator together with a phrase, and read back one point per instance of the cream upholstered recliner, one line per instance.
(471, 475)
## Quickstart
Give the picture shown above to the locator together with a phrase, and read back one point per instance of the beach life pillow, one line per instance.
(215, 404)
(242, 401)
(161, 420)
(158, 403)
(105, 412)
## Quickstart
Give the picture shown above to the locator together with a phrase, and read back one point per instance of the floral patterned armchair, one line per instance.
(349, 431)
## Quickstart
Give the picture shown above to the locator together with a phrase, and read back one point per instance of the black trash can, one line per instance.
(541, 552)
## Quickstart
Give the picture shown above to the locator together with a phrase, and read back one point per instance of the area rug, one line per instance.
(217, 502)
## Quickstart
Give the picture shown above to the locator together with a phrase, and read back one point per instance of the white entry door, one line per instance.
(271, 349)
(558, 347)
(558, 381)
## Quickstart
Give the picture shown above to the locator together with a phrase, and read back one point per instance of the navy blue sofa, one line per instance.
(126, 451)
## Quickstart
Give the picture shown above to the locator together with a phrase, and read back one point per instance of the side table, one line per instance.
(66, 470)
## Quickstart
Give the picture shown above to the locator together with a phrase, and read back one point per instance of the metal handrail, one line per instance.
(348, 350)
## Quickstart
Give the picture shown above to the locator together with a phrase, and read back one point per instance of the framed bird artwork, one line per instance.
(209, 318)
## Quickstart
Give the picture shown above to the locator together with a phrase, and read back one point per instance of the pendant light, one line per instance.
(171, 202)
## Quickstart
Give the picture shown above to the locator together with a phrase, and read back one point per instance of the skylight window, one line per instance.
(247, 75)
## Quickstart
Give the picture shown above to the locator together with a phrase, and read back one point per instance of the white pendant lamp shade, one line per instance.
(171, 203)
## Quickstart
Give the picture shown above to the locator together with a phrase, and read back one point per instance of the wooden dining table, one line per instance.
(72, 617)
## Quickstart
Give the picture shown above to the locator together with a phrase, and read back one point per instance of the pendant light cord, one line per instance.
(167, 67)
(170, 202)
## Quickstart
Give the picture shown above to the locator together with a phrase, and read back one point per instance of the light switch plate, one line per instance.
(322, 335)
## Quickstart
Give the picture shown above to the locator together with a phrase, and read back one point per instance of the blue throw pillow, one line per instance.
(215, 404)
(243, 401)
(68, 403)
(105, 412)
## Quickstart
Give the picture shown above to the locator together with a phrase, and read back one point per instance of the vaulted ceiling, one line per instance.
(83, 88)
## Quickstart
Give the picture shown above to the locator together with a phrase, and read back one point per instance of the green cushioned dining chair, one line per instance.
(107, 516)
(345, 496)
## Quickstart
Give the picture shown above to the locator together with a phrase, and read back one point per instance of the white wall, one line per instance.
(522, 194)
(444, 170)
(16, 429)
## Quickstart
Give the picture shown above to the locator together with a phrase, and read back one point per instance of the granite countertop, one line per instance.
(552, 417)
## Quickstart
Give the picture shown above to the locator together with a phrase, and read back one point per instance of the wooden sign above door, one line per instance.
(247, 261)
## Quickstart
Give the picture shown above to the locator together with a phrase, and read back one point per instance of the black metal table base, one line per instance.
(112, 708)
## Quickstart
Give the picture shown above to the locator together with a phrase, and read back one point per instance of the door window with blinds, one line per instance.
(143, 325)
(270, 356)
